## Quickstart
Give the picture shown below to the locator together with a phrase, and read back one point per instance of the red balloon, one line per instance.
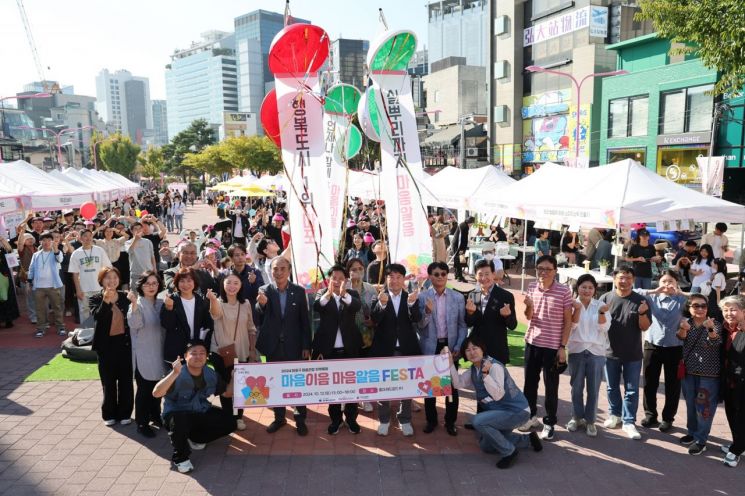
(143, 212)
(88, 210)
(297, 49)
(270, 117)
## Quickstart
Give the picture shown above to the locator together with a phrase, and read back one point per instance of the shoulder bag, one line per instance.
(228, 352)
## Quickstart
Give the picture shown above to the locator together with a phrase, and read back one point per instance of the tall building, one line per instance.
(48, 87)
(123, 100)
(202, 82)
(348, 61)
(534, 115)
(160, 122)
(459, 28)
(254, 33)
(417, 69)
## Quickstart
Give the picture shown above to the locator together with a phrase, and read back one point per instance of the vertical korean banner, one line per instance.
(296, 55)
(343, 141)
(391, 110)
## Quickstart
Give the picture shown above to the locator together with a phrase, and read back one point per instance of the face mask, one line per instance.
(489, 256)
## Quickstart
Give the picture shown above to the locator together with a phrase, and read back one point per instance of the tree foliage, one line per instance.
(193, 139)
(118, 154)
(151, 162)
(210, 160)
(255, 153)
(95, 148)
(712, 29)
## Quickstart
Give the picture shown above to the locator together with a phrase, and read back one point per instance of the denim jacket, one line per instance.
(38, 263)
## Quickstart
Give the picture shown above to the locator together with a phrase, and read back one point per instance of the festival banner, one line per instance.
(391, 112)
(343, 141)
(340, 381)
(712, 175)
(295, 57)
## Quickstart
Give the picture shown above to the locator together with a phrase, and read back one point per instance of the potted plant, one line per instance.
(604, 264)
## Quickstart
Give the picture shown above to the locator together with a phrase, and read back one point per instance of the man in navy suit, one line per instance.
(338, 336)
(395, 313)
(284, 330)
(443, 324)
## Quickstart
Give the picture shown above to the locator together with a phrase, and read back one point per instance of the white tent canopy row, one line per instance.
(24, 186)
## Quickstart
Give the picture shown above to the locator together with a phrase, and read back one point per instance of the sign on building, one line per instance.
(593, 18)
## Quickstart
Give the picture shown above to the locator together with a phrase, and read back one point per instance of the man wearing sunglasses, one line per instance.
(443, 324)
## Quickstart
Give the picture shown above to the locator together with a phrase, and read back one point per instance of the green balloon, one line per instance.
(342, 99)
(394, 52)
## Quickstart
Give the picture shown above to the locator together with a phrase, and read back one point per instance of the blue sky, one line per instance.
(78, 38)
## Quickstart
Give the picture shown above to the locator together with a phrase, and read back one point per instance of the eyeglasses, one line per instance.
(543, 270)
(150, 283)
(699, 306)
(439, 274)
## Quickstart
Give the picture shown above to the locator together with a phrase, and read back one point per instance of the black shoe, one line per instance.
(665, 426)
(157, 422)
(333, 428)
(353, 426)
(429, 428)
(696, 449)
(8, 324)
(468, 426)
(686, 440)
(145, 430)
(451, 429)
(301, 428)
(650, 422)
(508, 460)
(535, 441)
(275, 426)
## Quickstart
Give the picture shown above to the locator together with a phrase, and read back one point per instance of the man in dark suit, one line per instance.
(241, 224)
(460, 240)
(395, 314)
(284, 330)
(338, 336)
(491, 312)
(187, 256)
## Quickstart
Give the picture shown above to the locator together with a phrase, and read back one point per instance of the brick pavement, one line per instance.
(52, 441)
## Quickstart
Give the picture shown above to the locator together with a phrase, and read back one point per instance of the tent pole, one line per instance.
(525, 247)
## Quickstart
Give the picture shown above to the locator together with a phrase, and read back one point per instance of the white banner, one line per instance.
(340, 381)
(60, 201)
(712, 175)
(594, 18)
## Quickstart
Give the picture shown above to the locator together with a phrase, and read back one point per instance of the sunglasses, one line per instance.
(699, 306)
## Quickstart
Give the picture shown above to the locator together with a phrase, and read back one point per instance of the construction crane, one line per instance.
(34, 51)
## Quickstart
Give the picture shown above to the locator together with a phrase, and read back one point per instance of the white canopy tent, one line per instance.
(40, 190)
(466, 189)
(273, 182)
(97, 194)
(102, 192)
(124, 185)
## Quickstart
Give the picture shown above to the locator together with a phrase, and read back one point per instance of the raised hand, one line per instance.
(210, 295)
(132, 297)
(252, 277)
(486, 367)
(383, 299)
(709, 324)
(643, 308)
(429, 306)
(528, 300)
(177, 365)
(505, 311)
(261, 298)
(470, 306)
(168, 302)
(413, 297)
(604, 308)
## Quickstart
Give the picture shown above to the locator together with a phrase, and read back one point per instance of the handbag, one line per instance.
(228, 352)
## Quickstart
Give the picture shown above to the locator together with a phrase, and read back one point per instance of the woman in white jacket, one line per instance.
(587, 347)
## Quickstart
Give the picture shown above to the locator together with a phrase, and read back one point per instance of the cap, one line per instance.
(642, 232)
(34, 219)
(368, 238)
(278, 218)
(215, 241)
(351, 223)
(48, 219)
(196, 342)
(67, 212)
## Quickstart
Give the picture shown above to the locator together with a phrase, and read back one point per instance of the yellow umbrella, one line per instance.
(252, 190)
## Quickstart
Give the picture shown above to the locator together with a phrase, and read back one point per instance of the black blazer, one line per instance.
(245, 223)
(177, 328)
(292, 328)
(333, 318)
(102, 314)
(390, 327)
(490, 326)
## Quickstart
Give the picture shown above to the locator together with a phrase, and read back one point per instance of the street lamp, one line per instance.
(578, 88)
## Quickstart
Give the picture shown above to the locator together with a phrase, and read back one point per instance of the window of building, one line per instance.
(618, 154)
(545, 7)
(686, 110)
(628, 116)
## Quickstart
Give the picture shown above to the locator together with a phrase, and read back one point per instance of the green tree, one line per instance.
(119, 154)
(710, 29)
(95, 149)
(193, 139)
(210, 160)
(151, 162)
(255, 153)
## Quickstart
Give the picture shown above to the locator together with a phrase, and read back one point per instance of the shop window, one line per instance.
(638, 154)
(687, 110)
(679, 164)
(628, 117)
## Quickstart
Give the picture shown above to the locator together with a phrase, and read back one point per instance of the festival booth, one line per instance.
(101, 192)
(273, 182)
(41, 191)
(126, 186)
(466, 189)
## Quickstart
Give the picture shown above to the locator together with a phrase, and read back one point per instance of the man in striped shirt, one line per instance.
(548, 307)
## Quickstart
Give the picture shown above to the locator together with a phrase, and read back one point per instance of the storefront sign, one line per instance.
(594, 18)
(340, 381)
(683, 139)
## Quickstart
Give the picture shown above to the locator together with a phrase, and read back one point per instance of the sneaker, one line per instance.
(574, 424)
(508, 460)
(334, 427)
(275, 426)
(630, 430)
(535, 441)
(367, 406)
(725, 448)
(548, 432)
(196, 446)
(407, 429)
(650, 422)
(731, 459)
(696, 449)
(39, 333)
(383, 429)
(33, 321)
(665, 426)
(125, 421)
(354, 427)
(61, 331)
(686, 440)
(592, 430)
(184, 467)
(530, 424)
(240, 424)
(612, 422)
(301, 428)
(109, 423)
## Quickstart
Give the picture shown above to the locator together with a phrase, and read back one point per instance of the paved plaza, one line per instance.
(52, 440)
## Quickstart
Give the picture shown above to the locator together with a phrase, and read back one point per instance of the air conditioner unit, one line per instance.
(472, 152)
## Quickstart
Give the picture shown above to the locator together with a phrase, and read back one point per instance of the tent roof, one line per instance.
(44, 190)
(470, 189)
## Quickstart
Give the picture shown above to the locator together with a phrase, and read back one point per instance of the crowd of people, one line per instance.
(160, 316)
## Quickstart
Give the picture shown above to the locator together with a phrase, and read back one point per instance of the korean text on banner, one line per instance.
(340, 381)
